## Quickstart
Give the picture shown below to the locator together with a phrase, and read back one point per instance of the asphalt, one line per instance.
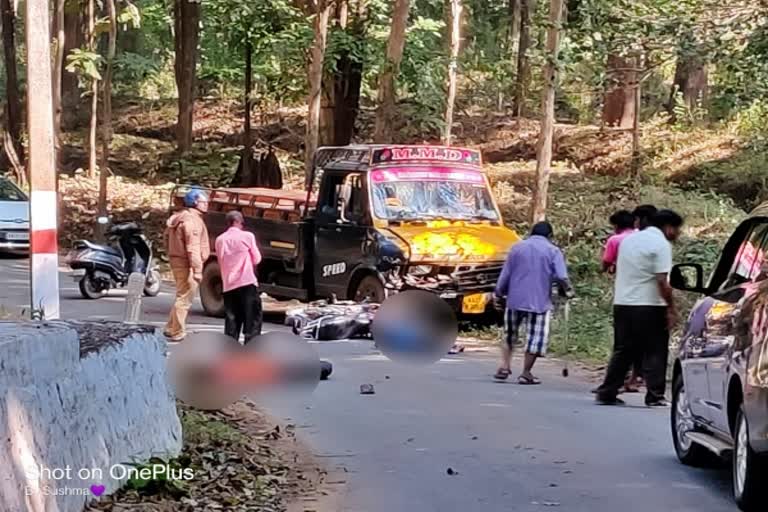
(508, 447)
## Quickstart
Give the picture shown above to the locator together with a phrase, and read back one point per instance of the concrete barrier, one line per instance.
(79, 402)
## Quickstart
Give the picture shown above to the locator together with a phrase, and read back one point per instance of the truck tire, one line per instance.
(749, 469)
(211, 290)
(371, 288)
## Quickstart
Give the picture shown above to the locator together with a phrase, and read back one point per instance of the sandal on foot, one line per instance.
(528, 381)
(502, 374)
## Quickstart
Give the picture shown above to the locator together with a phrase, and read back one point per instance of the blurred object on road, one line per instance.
(415, 327)
(210, 370)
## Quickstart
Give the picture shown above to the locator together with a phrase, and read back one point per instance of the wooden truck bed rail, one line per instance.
(260, 203)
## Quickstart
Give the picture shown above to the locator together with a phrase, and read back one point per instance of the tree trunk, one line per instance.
(386, 94)
(94, 93)
(70, 94)
(106, 122)
(59, 34)
(321, 13)
(186, 40)
(341, 88)
(619, 104)
(455, 18)
(513, 31)
(544, 150)
(523, 77)
(13, 102)
(246, 157)
(691, 81)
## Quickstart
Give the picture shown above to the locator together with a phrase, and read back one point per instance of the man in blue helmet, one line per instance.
(188, 246)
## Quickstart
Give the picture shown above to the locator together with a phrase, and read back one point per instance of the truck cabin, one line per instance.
(376, 218)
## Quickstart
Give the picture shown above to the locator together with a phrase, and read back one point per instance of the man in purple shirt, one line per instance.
(532, 266)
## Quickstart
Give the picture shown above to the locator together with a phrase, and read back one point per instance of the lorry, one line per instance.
(374, 220)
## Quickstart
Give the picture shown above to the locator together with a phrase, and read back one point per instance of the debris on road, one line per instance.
(451, 472)
(367, 389)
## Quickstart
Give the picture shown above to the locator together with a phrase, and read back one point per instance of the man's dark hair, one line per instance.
(542, 229)
(666, 218)
(622, 219)
(234, 217)
(644, 213)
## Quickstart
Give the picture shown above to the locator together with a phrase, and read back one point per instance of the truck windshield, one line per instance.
(426, 193)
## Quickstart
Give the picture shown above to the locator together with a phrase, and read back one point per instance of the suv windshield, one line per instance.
(426, 193)
(10, 192)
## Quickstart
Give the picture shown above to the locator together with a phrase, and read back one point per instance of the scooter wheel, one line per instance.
(154, 282)
(89, 290)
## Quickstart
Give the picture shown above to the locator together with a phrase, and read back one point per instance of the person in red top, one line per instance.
(238, 257)
(623, 223)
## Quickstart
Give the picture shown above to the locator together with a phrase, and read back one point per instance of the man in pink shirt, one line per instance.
(623, 224)
(238, 256)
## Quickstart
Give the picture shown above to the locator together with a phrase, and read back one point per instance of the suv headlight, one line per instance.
(420, 270)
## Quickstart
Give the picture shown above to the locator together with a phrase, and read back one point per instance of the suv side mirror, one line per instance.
(687, 277)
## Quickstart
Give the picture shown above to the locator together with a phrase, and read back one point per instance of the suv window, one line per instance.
(10, 192)
(749, 263)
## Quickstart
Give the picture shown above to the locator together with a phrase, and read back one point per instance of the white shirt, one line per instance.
(642, 255)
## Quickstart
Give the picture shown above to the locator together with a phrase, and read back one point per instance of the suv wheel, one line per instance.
(688, 452)
(749, 471)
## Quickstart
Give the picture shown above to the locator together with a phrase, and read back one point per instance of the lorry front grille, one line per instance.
(460, 278)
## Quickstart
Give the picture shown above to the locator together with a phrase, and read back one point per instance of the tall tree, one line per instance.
(186, 40)
(386, 95)
(341, 85)
(321, 11)
(58, 35)
(691, 76)
(455, 28)
(106, 122)
(92, 43)
(74, 23)
(544, 149)
(523, 76)
(13, 97)
(619, 103)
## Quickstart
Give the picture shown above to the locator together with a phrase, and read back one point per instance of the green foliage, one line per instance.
(752, 124)
(146, 482)
(85, 64)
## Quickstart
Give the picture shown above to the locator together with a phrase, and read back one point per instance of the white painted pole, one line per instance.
(44, 264)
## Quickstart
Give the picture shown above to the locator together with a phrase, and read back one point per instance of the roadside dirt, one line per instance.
(243, 461)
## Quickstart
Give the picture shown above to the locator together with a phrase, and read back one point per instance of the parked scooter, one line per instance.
(98, 268)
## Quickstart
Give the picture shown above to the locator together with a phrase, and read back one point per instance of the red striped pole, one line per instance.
(44, 260)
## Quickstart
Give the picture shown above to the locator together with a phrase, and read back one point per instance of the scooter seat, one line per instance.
(102, 248)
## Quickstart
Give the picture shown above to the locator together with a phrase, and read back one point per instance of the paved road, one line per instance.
(514, 448)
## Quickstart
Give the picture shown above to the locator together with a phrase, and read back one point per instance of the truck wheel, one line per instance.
(371, 288)
(211, 291)
(689, 453)
(749, 470)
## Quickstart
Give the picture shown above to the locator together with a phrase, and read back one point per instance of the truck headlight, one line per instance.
(420, 270)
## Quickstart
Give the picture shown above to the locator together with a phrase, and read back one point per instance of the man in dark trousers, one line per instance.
(238, 256)
(643, 309)
(531, 268)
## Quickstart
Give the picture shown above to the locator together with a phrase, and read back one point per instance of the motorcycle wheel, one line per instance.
(152, 287)
(89, 290)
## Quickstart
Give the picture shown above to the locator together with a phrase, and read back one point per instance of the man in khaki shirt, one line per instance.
(188, 246)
